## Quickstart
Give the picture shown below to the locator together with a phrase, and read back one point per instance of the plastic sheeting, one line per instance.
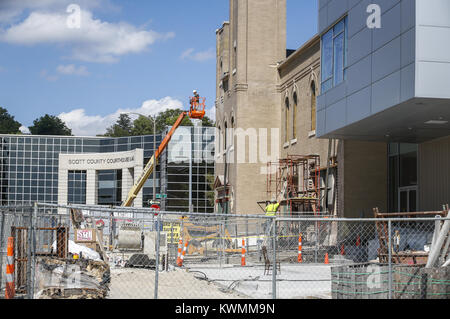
(86, 252)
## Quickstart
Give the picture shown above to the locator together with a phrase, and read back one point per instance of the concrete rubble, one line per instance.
(71, 279)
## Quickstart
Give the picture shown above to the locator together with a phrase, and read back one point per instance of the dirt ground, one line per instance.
(135, 283)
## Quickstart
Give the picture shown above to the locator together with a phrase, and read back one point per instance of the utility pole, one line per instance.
(154, 151)
(154, 148)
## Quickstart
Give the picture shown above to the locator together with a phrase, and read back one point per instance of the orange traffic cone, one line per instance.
(299, 257)
(342, 250)
(243, 253)
(326, 259)
(10, 290)
(180, 245)
(358, 241)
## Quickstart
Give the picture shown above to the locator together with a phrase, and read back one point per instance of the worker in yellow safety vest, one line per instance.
(272, 208)
(271, 211)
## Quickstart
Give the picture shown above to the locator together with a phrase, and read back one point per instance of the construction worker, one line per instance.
(272, 208)
(196, 98)
(271, 211)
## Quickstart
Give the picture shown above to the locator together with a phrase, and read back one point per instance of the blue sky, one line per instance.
(141, 55)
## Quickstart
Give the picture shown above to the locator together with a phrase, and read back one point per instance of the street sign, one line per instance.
(161, 195)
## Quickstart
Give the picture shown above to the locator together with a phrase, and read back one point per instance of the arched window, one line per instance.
(313, 106)
(286, 120)
(232, 131)
(225, 136)
(294, 116)
(220, 145)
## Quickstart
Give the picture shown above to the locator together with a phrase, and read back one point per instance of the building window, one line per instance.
(76, 187)
(110, 187)
(225, 136)
(294, 117)
(232, 131)
(286, 122)
(313, 106)
(219, 140)
(334, 55)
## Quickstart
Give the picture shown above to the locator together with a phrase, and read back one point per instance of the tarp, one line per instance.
(77, 249)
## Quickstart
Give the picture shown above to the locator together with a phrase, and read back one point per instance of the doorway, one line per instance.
(403, 181)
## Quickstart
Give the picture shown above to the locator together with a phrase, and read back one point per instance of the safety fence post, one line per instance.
(30, 253)
(2, 226)
(390, 257)
(274, 258)
(158, 235)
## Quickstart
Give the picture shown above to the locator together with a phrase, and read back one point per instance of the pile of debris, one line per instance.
(71, 279)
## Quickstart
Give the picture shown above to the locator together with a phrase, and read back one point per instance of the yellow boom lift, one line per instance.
(196, 111)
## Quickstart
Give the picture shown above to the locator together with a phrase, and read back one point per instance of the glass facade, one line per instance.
(334, 55)
(109, 187)
(190, 155)
(29, 169)
(76, 190)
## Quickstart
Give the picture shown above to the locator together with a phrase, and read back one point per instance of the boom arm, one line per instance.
(148, 169)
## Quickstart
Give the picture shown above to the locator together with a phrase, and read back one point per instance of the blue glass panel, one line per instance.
(339, 27)
(327, 55)
(338, 72)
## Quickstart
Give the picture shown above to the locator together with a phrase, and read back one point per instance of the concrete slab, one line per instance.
(294, 281)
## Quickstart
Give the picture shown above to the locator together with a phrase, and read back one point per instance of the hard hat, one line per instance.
(195, 91)
(273, 200)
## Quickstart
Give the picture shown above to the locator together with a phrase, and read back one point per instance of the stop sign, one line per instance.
(155, 207)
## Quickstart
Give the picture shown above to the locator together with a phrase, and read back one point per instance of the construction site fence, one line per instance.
(114, 252)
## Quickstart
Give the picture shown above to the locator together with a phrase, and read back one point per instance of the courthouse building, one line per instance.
(101, 170)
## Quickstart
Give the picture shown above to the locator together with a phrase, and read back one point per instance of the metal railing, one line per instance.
(114, 252)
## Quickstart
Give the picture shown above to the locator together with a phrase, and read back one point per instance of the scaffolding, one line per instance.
(296, 179)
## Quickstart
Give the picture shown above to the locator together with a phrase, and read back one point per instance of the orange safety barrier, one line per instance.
(183, 253)
(300, 259)
(180, 245)
(10, 285)
(243, 252)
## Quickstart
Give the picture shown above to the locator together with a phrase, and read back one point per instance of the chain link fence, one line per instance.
(114, 252)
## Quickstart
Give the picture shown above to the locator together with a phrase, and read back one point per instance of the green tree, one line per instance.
(123, 127)
(7, 123)
(168, 118)
(142, 126)
(49, 125)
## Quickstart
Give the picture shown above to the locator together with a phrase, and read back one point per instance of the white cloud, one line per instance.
(94, 41)
(24, 130)
(198, 56)
(71, 69)
(11, 10)
(91, 125)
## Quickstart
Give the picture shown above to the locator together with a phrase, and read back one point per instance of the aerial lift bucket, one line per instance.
(197, 110)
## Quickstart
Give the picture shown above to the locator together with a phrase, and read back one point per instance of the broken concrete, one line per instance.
(71, 279)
